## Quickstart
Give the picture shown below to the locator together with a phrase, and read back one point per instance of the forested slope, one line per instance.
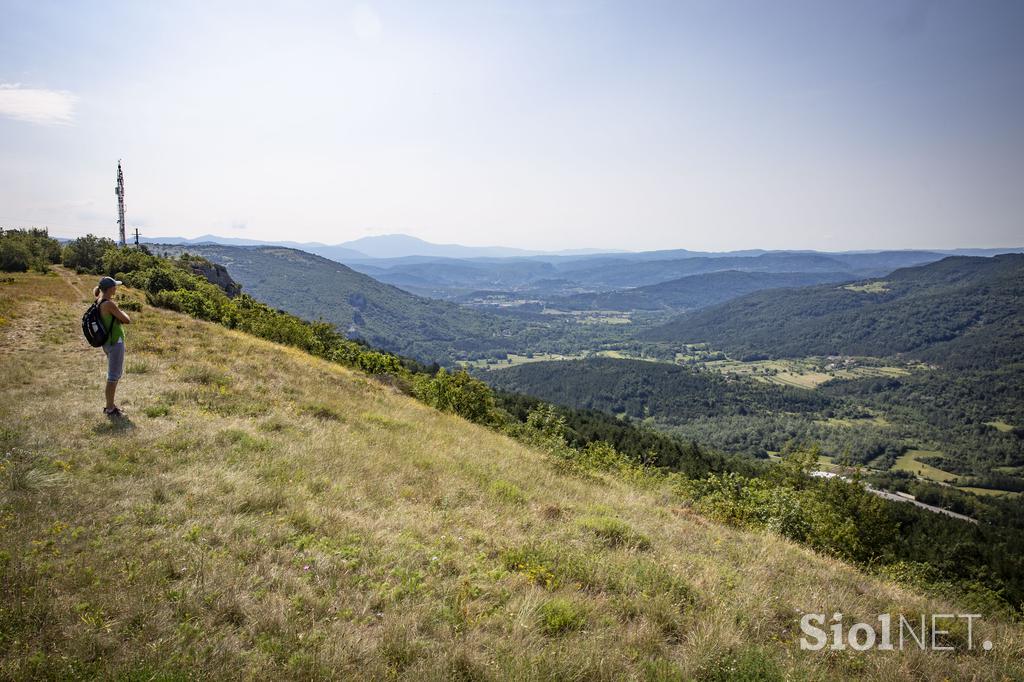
(958, 312)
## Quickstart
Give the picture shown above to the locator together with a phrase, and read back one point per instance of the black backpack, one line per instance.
(92, 326)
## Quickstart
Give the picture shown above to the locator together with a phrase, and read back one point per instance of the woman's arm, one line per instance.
(118, 314)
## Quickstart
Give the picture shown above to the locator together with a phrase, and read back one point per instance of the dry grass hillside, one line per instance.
(267, 515)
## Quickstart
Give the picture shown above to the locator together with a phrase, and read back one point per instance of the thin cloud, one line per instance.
(36, 105)
(366, 23)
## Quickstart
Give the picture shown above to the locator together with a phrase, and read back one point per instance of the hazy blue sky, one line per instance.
(702, 125)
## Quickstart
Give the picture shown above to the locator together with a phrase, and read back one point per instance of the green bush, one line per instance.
(21, 250)
(85, 254)
(458, 393)
(14, 256)
(544, 428)
(615, 533)
(129, 303)
(162, 276)
(833, 516)
(194, 303)
(119, 262)
(601, 456)
(559, 615)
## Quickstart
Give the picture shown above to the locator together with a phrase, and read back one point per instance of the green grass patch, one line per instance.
(204, 375)
(752, 664)
(507, 492)
(869, 287)
(614, 533)
(908, 462)
(243, 441)
(560, 615)
(137, 367)
(158, 410)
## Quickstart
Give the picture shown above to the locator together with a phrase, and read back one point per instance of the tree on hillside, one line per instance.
(23, 249)
(85, 254)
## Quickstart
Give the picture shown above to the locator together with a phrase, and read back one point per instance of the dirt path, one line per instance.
(65, 275)
(40, 311)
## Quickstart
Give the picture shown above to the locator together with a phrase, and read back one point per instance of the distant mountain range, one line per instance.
(403, 246)
(379, 246)
(555, 278)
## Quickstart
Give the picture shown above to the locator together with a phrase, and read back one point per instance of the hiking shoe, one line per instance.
(113, 411)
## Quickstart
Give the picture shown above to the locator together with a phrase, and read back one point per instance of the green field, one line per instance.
(869, 288)
(806, 373)
(1000, 426)
(593, 316)
(908, 462)
(514, 359)
(876, 420)
(989, 492)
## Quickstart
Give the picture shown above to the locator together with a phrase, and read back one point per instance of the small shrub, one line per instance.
(129, 303)
(615, 533)
(535, 562)
(559, 615)
(137, 367)
(27, 472)
(458, 393)
(159, 410)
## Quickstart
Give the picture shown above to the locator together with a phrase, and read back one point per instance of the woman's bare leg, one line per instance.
(111, 389)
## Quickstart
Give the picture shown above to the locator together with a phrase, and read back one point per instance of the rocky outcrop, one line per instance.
(215, 273)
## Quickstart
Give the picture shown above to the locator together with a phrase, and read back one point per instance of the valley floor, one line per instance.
(267, 515)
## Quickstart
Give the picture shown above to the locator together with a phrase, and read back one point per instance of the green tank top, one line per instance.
(116, 332)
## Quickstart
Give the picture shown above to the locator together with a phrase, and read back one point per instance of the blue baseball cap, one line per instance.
(107, 282)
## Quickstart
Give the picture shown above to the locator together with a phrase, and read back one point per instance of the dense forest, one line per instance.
(694, 291)
(639, 389)
(859, 421)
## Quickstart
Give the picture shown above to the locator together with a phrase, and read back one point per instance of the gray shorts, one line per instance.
(115, 360)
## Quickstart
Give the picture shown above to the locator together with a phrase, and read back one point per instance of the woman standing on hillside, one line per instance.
(113, 318)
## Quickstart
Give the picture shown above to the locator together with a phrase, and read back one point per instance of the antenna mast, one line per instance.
(119, 191)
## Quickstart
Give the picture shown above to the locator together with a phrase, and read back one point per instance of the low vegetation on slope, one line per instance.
(264, 513)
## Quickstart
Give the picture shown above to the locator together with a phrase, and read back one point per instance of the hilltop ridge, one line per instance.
(267, 513)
